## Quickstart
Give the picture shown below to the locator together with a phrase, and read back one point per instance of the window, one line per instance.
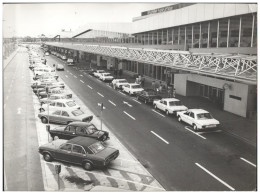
(57, 112)
(59, 104)
(96, 147)
(52, 104)
(78, 149)
(70, 128)
(192, 115)
(202, 116)
(91, 129)
(71, 103)
(77, 112)
(66, 147)
(80, 130)
(65, 114)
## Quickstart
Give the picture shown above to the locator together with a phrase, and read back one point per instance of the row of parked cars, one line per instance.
(199, 119)
(78, 140)
(69, 61)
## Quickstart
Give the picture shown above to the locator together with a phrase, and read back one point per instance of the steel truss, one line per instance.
(241, 68)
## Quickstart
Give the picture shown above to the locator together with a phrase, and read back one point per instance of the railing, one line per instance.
(242, 68)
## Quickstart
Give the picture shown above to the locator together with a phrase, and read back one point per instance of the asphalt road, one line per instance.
(22, 169)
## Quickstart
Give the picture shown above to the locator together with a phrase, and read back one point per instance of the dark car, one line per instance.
(75, 129)
(148, 96)
(84, 151)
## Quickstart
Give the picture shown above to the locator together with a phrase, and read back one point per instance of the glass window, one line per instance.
(204, 116)
(59, 104)
(96, 147)
(196, 35)
(65, 114)
(91, 129)
(175, 35)
(77, 112)
(155, 37)
(182, 35)
(164, 37)
(213, 33)
(255, 32)
(80, 130)
(57, 112)
(223, 29)
(66, 147)
(189, 37)
(234, 31)
(170, 31)
(175, 103)
(77, 149)
(71, 104)
(192, 115)
(204, 35)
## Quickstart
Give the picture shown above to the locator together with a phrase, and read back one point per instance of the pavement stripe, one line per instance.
(194, 132)
(158, 113)
(159, 137)
(247, 161)
(136, 101)
(75, 76)
(81, 75)
(112, 102)
(224, 183)
(121, 93)
(90, 87)
(129, 115)
(100, 94)
(81, 81)
(66, 76)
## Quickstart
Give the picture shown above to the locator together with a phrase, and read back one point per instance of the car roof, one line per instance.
(170, 99)
(198, 111)
(83, 141)
(81, 124)
(64, 100)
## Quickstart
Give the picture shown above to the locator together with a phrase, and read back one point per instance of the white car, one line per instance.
(59, 67)
(53, 98)
(70, 61)
(118, 83)
(97, 73)
(63, 57)
(106, 77)
(169, 105)
(198, 119)
(132, 88)
(47, 54)
(61, 103)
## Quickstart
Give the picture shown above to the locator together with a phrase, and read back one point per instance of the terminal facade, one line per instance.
(219, 30)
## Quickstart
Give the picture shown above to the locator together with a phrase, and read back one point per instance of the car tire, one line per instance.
(166, 112)
(155, 107)
(87, 166)
(47, 157)
(44, 120)
(179, 119)
(195, 127)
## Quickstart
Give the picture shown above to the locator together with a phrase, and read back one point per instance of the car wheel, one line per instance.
(87, 166)
(167, 112)
(44, 120)
(155, 107)
(47, 157)
(179, 119)
(195, 127)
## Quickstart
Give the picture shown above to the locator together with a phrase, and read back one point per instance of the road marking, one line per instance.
(100, 94)
(160, 137)
(136, 101)
(112, 102)
(248, 161)
(194, 132)
(90, 87)
(129, 115)
(127, 104)
(75, 76)
(158, 113)
(81, 75)
(224, 183)
(66, 76)
(81, 81)
(121, 93)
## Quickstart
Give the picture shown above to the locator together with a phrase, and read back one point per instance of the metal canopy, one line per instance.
(242, 68)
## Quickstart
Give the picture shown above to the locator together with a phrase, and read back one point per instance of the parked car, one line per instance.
(87, 152)
(75, 129)
(63, 57)
(53, 97)
(169, 105)
(118, 83)
(50, 85)
(148, 96)
(132, 88)
(60, 103)
(70, 61)
(97, 73)
(198, 119)
(59, 67)
(47, 53)
(51, 91)
(64, 116)
(106, 77)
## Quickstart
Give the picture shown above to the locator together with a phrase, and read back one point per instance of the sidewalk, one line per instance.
(240, 127)
(9, 58)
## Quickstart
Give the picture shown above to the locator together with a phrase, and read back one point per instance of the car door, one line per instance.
(55, 116)
(69, 132)
(190, 118)
(64, 152)
(65, 117)
(185, 116)
(77, 155)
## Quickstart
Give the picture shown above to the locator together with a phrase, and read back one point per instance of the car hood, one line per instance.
(208, 122)
(54, 144)
(179, 108)
(97, 134)
(108, 151)
(84, 117)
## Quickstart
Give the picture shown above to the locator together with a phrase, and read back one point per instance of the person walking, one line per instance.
(160, 87)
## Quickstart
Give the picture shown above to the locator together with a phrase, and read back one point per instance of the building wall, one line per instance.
(235, 99)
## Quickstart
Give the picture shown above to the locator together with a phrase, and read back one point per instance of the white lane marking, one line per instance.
(224, 183)
(247, 161)
(112, 102)
(160, 137)
(66, 76)
(71, 74)
(75, 76)
(121, 93)
(129, 115)
(7, 97)
(158, 113)
(100, 94)
(19, 111)
(136, 101)
(81, 81)
(127, 104)
(90, 87)
(108, 85)
(194, 132)
(81, 75)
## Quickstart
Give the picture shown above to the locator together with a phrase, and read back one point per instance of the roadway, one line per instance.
(176, 156)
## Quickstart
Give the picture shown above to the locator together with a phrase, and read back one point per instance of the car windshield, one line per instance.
(71, 104)
(204, 116)
(91, 129)
(77, 112)
(96, 147)
(175, 103)
(136, 86)
(122, 81)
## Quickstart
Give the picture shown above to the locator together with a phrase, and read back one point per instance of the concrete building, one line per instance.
(207, 50)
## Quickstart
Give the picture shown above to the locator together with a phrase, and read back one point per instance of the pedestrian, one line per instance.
(160, 87)
(174, 93)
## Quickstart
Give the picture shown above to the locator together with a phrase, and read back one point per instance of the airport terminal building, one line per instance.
(207, 50)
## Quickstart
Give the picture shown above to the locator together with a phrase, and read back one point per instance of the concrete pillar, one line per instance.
(98, 60)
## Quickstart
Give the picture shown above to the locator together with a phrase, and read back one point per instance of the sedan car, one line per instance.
(61, 103)
(54, 97)
(59, 67)
(84, 151)
(75, 129)
(70, 61)
(52, 91)
(64, 116)
(132, 88)
(63, 57)
(198, 119)
(148, 96)
(97, 73)
(118, 83)
(106, 77)
(169, 105)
